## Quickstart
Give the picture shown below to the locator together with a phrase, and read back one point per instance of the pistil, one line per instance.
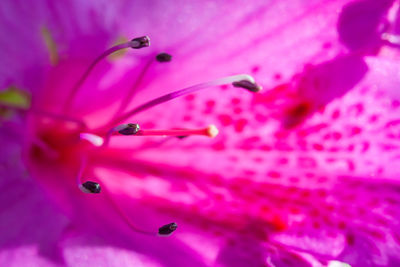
(130, 129)
(210, 131)
(95, 188)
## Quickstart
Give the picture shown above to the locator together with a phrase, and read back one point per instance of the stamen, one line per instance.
(90, 187)
(168, 229)
(133, 90)
(140, 42)
(94, 188)
(163, 57)
(127, 129)
(165, 230)
(134, 129)
(124, 129)
(135, 43)
(227, 80)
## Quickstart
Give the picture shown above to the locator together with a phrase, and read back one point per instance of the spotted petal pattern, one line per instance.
(301, 174)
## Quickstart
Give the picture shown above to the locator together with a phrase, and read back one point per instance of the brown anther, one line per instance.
(140, 42)
(252, 87)
(163, 57)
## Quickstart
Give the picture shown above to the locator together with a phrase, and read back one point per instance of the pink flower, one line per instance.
(304, 172)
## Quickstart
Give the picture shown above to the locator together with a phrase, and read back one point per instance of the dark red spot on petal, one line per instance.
(296, 114)
(278, 223)
(258, 159)
(281, 134)
(261, 118)
(342, 225)
(237, 110)
(255, 69)
(355, 131)
(294, 210)
(318, 147)
(336, 135)
(305, 194)
(336, 114)
(218, 146)
(283, 161)
(266, 148)
(240, 124)
(225, 119)
(235, 101)
(322, 193)
(327, 45)
(316, 225)
(274, 174)
(265, 209)
(306, 162)
(373, 118)
(356, 110)
(351, 165)
(277, 76)
(190, 97)
(210, 103)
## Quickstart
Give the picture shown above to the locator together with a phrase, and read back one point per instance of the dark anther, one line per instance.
(140, 42)
(130, 129)
(252, 87)
(182, 136)
(163, 57)
(92, 187)
(167, 229)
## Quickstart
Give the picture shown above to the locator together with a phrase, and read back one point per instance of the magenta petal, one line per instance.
(303, 172)
(33, 226)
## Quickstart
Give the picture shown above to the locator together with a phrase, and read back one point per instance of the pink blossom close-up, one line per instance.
(200, 133)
